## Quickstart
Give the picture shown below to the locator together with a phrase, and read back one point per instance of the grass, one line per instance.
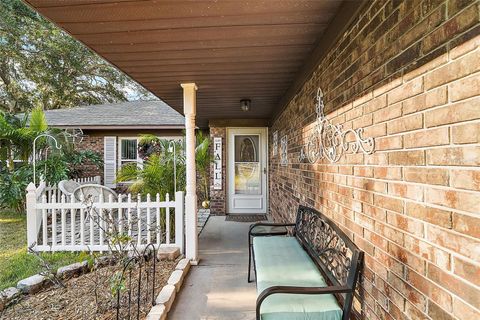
(15, 262)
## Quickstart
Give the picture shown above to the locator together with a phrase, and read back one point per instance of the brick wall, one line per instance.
(218, 197)
(94, 143)
(409, 72)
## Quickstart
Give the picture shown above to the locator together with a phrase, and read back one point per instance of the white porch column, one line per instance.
(191, 236)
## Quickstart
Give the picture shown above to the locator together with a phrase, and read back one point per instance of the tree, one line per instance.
(41, 65)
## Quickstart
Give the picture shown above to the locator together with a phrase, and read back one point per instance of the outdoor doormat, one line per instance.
(246, 217)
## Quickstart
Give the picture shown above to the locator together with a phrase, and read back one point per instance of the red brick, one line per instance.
(405, 223)
(406, 90)
(362, 122)
(457, 69)
(459, 156)
(460, 111)
(388, 86)
(367, 184)
(426, 175)
(430, 289)
(469, 293)
(403, 124)
(435, 255)
(389, 233)
(467, 225)
(412, 295)
(378, 130)
(436, 312)
(465, 88)
(466, 201)
(364, 196)
(468, 247)
(363, 171)
(380, 159)
(388, 173)
(430, 99)
(463, 311)
(388, 203)
(375, 104)
(431, 215)
(465, 179)
(388, 113)
(451, 28)
(467, 270)
(466, 133)
(353, 114)
(427, 138)
(407, 158)
(347, 170)
(465, 47)
(389, 143)
(374, 212)
(376, 239)
(405, 190)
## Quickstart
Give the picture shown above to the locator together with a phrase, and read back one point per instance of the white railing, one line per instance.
(58, 224)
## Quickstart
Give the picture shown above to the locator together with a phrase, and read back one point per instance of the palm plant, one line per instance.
(203, 158)
(17, 134)
(156, 174)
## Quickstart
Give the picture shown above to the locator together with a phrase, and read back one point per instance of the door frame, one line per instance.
(228, 177)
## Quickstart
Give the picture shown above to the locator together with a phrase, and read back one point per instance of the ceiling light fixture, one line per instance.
(245, 104)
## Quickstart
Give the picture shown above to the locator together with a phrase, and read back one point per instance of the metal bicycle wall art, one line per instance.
(329, 141)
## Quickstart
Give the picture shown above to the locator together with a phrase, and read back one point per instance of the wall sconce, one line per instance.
(245, 105)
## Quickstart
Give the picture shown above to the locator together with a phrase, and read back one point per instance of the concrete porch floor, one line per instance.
(217, 288)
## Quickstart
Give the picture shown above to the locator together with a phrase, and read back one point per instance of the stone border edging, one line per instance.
(37, 282)
(167, 295)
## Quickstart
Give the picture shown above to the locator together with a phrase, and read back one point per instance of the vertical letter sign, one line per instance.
(217, 162)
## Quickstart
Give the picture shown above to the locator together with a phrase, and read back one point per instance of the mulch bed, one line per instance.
(79, 301)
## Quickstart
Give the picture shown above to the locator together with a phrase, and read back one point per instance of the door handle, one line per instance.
(264, 170)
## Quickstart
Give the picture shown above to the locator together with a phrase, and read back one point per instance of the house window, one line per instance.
(128, 151)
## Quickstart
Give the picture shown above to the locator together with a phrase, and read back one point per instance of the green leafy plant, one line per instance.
(17, 134)
(76, 159)
(12, 188)
(203, 159)
(155, 176)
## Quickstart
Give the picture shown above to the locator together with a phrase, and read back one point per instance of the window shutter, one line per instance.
(110, 161)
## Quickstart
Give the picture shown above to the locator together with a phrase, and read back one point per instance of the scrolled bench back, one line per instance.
(331, 249)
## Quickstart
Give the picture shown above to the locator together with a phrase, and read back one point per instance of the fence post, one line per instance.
(31, 214)
(179, 219)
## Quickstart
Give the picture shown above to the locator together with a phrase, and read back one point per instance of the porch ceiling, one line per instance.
(233, 50)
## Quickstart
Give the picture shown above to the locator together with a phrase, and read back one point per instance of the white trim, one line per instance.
(264, 163)
(119, 150)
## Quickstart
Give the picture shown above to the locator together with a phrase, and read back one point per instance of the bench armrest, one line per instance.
(298, 290)
(269, 224)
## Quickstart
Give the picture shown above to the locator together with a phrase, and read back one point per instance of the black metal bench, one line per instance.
(334, 255)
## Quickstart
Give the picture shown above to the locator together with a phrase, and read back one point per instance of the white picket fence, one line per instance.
(58, 223)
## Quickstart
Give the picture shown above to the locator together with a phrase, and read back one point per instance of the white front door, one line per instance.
(247, 170)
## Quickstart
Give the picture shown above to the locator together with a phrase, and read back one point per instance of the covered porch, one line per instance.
(372, 115)
(217, 288)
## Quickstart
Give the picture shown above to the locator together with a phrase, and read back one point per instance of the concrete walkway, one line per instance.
(217, 288)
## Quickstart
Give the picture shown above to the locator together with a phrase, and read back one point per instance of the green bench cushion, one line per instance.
(281, 261)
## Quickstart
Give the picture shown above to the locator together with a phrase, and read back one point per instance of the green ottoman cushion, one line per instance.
(281, 261)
